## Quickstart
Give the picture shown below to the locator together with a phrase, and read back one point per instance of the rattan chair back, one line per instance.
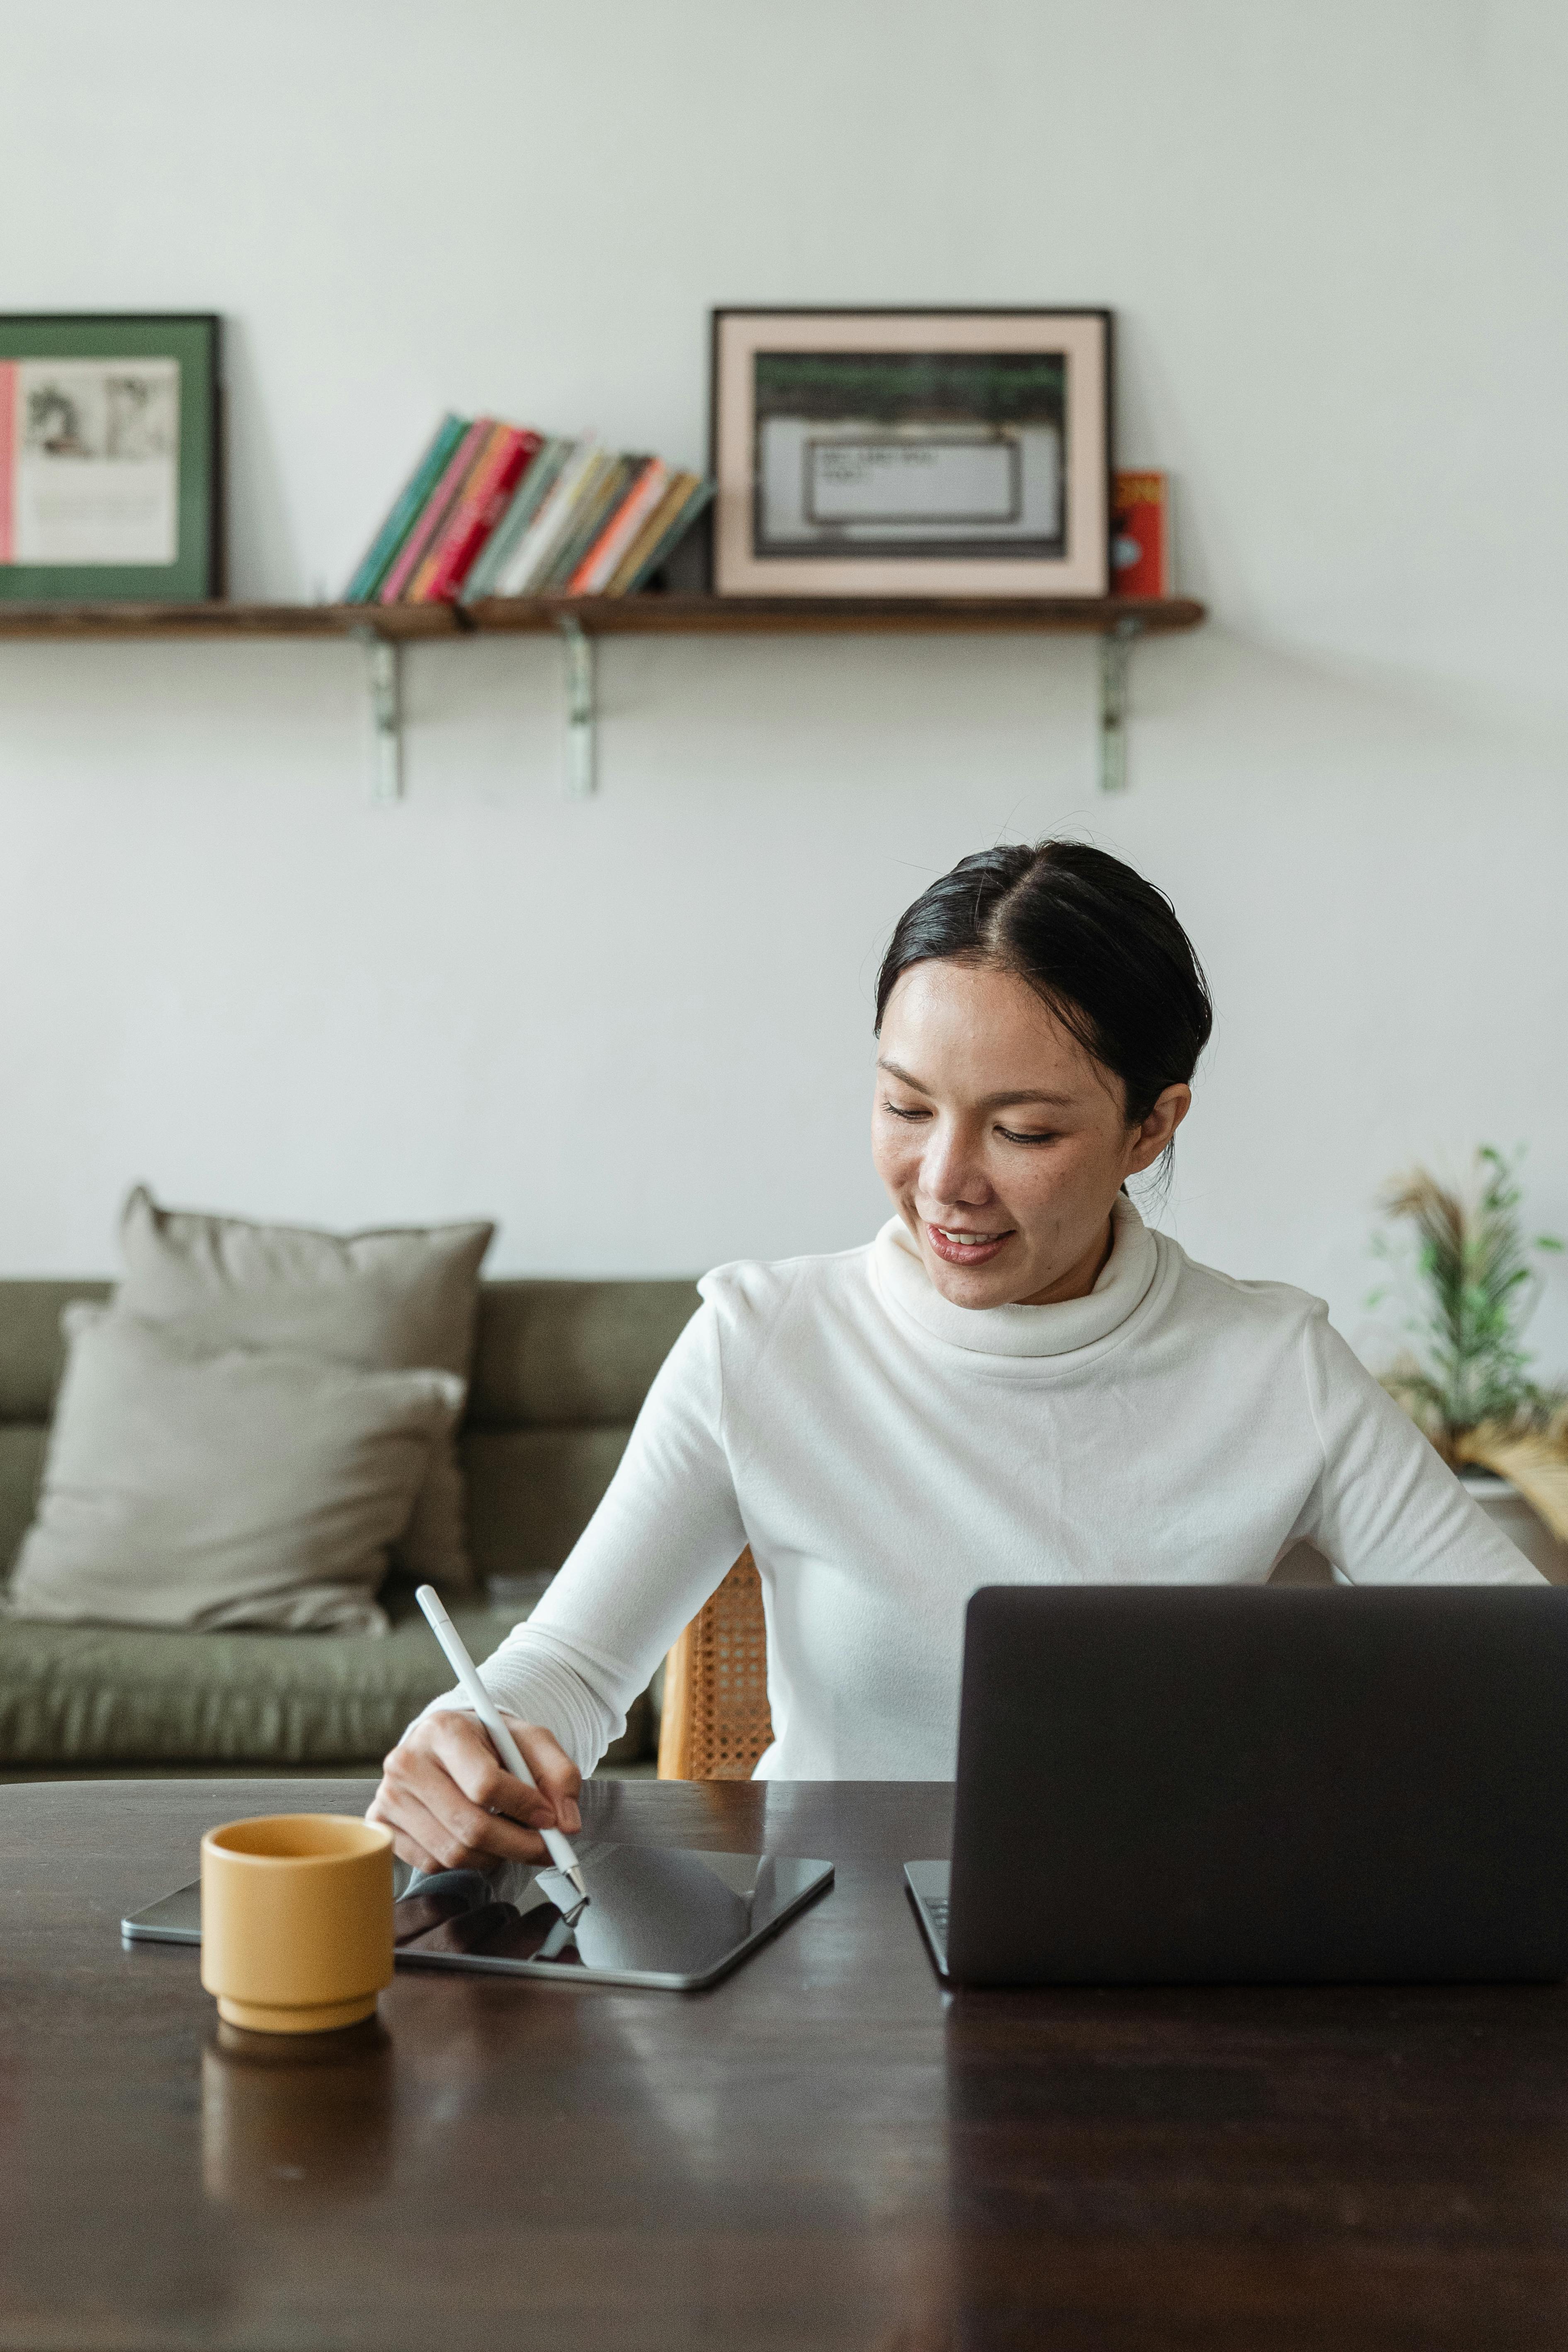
(716, 1722)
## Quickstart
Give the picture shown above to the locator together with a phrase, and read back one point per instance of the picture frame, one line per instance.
(881, 452)
(111, 459)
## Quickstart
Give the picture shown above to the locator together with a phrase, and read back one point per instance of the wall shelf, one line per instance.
(384, 629)
(615, 616)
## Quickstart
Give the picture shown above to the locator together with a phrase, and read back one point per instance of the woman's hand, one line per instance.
(451, 1804)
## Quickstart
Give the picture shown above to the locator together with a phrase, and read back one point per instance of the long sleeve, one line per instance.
(882, 1462)
(1386, 1510)
(667, 1531)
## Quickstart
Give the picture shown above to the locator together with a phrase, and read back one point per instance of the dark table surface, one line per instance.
(822, 2151)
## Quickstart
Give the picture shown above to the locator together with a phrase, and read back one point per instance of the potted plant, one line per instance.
(1465, 1380)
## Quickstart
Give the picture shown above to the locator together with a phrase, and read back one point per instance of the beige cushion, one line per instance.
(184, 1488)
(388, 1301)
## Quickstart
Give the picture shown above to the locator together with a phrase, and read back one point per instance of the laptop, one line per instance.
(1260, 1785)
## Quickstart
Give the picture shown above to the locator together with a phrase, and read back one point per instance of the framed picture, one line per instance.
(110, 461)
(911, 453)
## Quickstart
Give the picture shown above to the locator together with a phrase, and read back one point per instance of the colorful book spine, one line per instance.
(527, 500)
(372, 567)
(474, 515)
(677, 490)
(1141, 539)
(544, 534)
(437, 508)
(495, 509)
(473, 485)
(598, 565)
(567, 533)
(596, 503)
(695, 504)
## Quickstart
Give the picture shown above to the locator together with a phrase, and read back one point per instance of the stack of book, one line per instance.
(495, 509)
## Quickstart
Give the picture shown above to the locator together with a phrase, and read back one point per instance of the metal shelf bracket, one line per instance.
(385, 663)
(1115, 647)
(581, 709)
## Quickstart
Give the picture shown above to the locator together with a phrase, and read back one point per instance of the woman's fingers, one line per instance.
(462, 1746)
(395, 1812)
(459, 1832)
(416, 1833)
(451, 1804)
(558, 1778)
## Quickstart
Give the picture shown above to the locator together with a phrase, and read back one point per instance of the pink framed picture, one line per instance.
(911, 453)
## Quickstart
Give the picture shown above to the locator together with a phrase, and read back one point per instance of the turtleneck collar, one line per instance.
(1055, 1331)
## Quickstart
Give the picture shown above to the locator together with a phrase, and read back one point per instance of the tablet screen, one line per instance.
(664, 1916)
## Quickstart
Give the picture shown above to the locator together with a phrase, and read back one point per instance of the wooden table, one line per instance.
(821, 2152)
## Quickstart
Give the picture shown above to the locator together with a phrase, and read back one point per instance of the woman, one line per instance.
(1016, 1382)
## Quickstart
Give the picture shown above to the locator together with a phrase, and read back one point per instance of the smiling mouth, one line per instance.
(961, 1246)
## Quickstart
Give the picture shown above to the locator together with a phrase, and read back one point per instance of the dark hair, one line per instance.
(1097, 943)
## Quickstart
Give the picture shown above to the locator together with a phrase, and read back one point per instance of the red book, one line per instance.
(416, 546)
(475, 513)
(1141, 539)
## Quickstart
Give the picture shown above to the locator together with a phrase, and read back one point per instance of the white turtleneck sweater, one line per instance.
(883, 1452)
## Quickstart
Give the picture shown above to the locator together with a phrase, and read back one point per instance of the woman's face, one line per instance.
(1003, 1143)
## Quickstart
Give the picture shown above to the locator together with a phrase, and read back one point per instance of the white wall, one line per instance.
(637, 1030)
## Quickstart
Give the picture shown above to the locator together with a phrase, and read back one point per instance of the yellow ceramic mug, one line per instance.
(296, 1921)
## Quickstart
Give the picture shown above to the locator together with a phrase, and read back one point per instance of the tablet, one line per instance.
(659, 1916)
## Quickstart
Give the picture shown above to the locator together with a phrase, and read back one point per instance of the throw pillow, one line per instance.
(388, 1301)
(184, 1488)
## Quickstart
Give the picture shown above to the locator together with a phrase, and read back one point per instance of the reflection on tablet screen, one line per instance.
(436, 1921)
(650, 1910)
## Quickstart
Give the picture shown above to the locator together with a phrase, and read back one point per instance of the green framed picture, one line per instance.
(110, 465)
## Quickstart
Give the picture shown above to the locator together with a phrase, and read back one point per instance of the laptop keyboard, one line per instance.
(926, 1883)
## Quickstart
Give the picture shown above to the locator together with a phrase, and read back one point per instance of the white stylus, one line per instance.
(484, 1706)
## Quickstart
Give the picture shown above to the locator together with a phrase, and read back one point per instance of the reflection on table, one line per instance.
(289, 2119)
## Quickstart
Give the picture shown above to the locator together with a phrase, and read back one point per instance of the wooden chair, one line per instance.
(716, 1722)
(1537, 1466)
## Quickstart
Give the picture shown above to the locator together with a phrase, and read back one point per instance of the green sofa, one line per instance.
(560, 1371)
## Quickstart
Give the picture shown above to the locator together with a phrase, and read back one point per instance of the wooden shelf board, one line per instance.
(640, 615)
(223, 620)
(656, 616)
